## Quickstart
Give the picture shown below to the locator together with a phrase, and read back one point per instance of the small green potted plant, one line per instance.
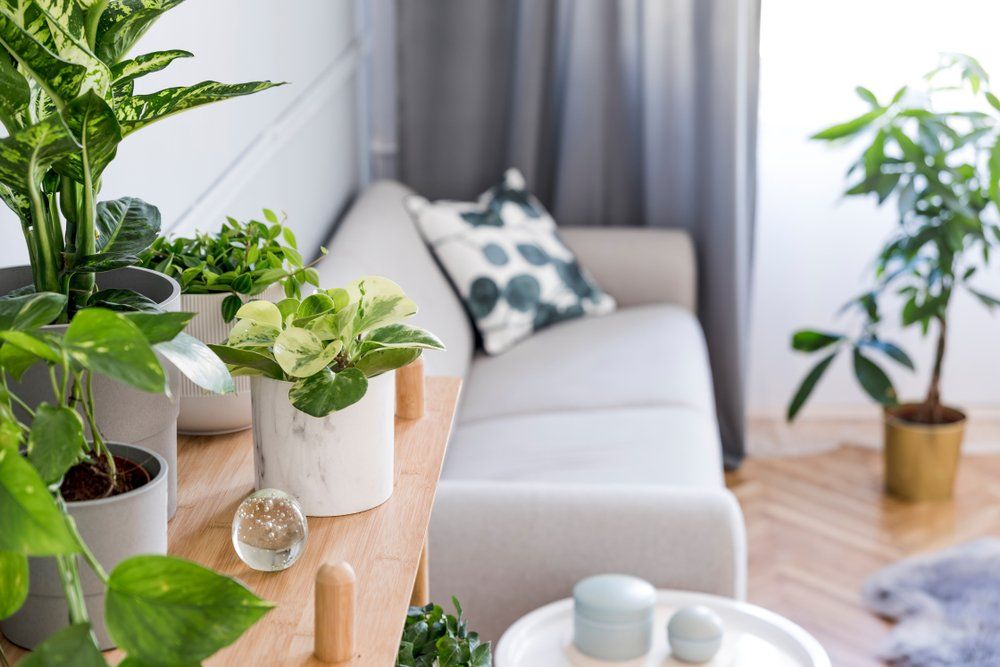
(323, 391)
(67, 100)
(84, 520)
(218, 273)
(432, 637)
(941, 164)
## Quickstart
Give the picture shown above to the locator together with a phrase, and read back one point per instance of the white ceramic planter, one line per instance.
(203, 412)
(123, 414)
(335, 465)
(114, 528)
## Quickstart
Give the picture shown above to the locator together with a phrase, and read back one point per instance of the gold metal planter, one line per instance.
(921, 459)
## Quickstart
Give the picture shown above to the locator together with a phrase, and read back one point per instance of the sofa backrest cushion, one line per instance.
(378, 237)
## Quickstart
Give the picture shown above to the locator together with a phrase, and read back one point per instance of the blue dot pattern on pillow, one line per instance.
(504, 256)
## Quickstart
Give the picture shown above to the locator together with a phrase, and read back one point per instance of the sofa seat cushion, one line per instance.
(645, 356)
(674, 445)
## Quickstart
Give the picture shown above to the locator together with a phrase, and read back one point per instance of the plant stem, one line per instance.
(85, 551)
(95, 433)
(69, 573)
(931, 409)
(82, 284)
(46, 259)
(3, 658)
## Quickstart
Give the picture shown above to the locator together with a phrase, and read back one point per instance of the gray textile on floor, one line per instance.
(947, 605)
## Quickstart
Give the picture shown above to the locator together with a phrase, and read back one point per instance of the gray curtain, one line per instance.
(627, 112)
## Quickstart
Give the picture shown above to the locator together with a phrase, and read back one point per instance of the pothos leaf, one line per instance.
(324, 392)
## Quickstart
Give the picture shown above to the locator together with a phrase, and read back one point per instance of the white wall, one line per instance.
(813, 246)
(292, 148)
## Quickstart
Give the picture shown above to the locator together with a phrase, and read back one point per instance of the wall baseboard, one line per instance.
(825, 429)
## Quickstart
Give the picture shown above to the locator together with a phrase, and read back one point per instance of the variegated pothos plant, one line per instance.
(67, 99)
(329, 344)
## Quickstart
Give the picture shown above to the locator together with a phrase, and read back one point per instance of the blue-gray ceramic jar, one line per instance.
(613, 616)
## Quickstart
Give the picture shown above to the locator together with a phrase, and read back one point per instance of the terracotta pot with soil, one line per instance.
(116, 523)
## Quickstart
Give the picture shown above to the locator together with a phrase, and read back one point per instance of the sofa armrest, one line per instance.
(638, 266)
(504, 549)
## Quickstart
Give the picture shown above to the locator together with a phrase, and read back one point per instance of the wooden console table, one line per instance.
(385, 546)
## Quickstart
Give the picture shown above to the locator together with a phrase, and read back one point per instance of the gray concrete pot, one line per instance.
(114, 528)
(123, 414)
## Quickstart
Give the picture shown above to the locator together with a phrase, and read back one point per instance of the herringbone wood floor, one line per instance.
(818, 526)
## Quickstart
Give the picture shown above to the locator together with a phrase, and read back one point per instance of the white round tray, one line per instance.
(755, 637)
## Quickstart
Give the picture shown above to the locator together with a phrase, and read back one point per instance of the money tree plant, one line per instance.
(67, 99)
(940, 164)
(329, 344)
(160, 610)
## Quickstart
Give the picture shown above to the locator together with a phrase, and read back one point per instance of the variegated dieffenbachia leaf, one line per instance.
(15, 95)
(26, 154)
(133, 68)
(31, 45)
(126, 226)
(123, 23)
(95, 128)
(141, 110)
(16, 201)
(66, 21)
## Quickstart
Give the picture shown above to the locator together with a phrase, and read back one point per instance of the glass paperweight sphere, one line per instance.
(269, 530)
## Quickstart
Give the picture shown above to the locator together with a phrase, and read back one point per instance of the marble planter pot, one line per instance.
(114, 528)
(123, 414)
(335, 465)
(203, 412)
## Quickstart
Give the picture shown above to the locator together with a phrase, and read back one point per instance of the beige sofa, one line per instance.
(591, 447)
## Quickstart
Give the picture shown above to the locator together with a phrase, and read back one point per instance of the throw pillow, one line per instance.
(505, 259)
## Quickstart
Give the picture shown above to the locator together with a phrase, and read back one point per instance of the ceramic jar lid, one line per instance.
(614, 598)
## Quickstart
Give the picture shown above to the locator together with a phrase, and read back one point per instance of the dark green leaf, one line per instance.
(123, 300)
(325, 392)
(892, 351)
(987, 300)
(849, 128)
(230, 305)
(873, 379)
(126, 226)
(56, 441)
(109, 343)
(381, 360)
(198, 363)
(14, 580)
(808, 384)
(241, 358)
(73, 646)
(31, 310)
(30, 520)
(159, 327)
(994, 165)
(166, 610)
(806, 340)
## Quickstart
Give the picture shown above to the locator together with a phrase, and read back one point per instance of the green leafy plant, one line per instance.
(941, 164)
(242, 258)
(67, 99)
(432, 638)
(157, 607)
(328, 344)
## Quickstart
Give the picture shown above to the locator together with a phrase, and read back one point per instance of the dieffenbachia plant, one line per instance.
(67, 99)
(242, 258)
(942, 165)
(160, 610)
(329, 344)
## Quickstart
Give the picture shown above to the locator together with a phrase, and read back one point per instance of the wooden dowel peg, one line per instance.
(410, 390)
(336, 602)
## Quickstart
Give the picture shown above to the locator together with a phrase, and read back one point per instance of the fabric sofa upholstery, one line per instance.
(591, 447)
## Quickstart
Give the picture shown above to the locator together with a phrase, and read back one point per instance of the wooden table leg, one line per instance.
(422, 584)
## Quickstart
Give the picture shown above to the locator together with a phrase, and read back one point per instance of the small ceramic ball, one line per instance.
(695, 634)
(269, 530)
